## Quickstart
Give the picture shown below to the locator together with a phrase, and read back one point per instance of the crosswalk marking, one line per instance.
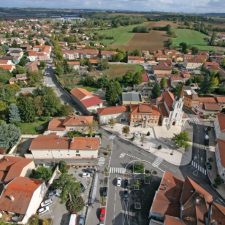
(118, 170)
(157, 162)
(198, 167)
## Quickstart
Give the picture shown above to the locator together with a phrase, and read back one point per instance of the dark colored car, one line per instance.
(125, 183)
(125, 194)
(104, 191)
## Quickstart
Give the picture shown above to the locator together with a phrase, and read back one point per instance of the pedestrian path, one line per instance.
(198, 167)
(157, 162)
(195, 120)
(117, 170)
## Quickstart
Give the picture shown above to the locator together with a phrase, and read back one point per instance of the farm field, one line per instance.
(191, 37)
(117, 70)
(123, 38)
(161, 23)
(151, 41)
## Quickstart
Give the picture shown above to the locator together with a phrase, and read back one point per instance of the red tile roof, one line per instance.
(145, 109)
(11, 167)
(212, 107)
(51, 141)
(170, 220)
(218, 214)
(80, 93)
(83, 143)
(220, 99)
(221, 120)
(221, 147)
(17, 195)
(206, 100)
(166, 201)
(112, 110)
(7, 67)
(92, 101)
(168, 98)
(73, 63)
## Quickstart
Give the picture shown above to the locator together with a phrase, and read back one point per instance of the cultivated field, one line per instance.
(117, 70)
(151, 41)
(193, 38)
(161, 23)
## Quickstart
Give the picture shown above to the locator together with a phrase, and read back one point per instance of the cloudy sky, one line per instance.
(196, 6)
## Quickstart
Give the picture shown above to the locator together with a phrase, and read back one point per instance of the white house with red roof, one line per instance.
(53, 147)
(171, 109)
(117, 113)
(21, 198)
(86, 100)
(40, 52)
(219, 125)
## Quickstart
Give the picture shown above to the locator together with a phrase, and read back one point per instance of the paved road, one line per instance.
(51, 81)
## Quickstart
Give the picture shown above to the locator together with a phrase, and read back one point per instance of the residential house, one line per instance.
(119, 114)
(9, 68)
(131, 98)
(21, 198)
(74, 64)
(163, 69)
(180, 78)
(184, 202)
(105, 54)
(80, 54)
(135, 59)
(12, 167)
(40, 53)
(86, 100)
(53, 146)
(221, 101)
(32, 66)
(15, 52)
(194, 62)
(145, 115)
(19, 77)
(61, 126)
(171, 109)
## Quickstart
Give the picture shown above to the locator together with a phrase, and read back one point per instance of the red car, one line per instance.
(102, 214)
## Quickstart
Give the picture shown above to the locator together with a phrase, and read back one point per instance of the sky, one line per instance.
(189, 6)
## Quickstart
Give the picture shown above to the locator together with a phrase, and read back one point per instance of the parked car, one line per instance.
(89, 170)
(125, 194)
(43, 210)
(102, 214)
(86, 175)
(119, 182)
(46, 202)
(125, 183)
(104, 191)
(81, 220)
(56, 192)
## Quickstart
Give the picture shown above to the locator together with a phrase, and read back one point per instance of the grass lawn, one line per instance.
(117, 70)
(120, 35)
(36, 127)
(191, 37)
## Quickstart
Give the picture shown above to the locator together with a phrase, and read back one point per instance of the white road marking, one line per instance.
(117, 170)
(198, 167)
(157, 162)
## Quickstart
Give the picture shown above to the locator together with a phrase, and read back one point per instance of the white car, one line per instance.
(43, 210)
(46, 202)
(119, 182)
(86, 175)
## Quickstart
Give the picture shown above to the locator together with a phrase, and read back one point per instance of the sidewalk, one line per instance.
(155, 137)
(213, 172)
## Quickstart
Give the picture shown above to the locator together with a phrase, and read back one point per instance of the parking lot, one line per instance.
(57, 211)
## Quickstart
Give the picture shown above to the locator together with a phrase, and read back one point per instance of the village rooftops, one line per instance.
(221, 120)
(221, 147)
(17, 195)
(11, 167)
(112, 110)
(145, 109)
(60, 124)
(54, 142)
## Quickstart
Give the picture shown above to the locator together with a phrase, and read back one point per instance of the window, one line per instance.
(77, 151)
(77, 154)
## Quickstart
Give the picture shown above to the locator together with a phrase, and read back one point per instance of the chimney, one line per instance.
(11, 197)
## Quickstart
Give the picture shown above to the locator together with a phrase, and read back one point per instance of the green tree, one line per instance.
(139, 167)
(184, 47)
(113, 92)
(212, 39)
(163, 83)
(206, 85)
(156, 92)
(63, 168)
(103, 65)
(26, 108)
(126, 130)
(75, 205)
(182, 139)
(194, 50)
(42, 173)
(14, 115)
(9, 135)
